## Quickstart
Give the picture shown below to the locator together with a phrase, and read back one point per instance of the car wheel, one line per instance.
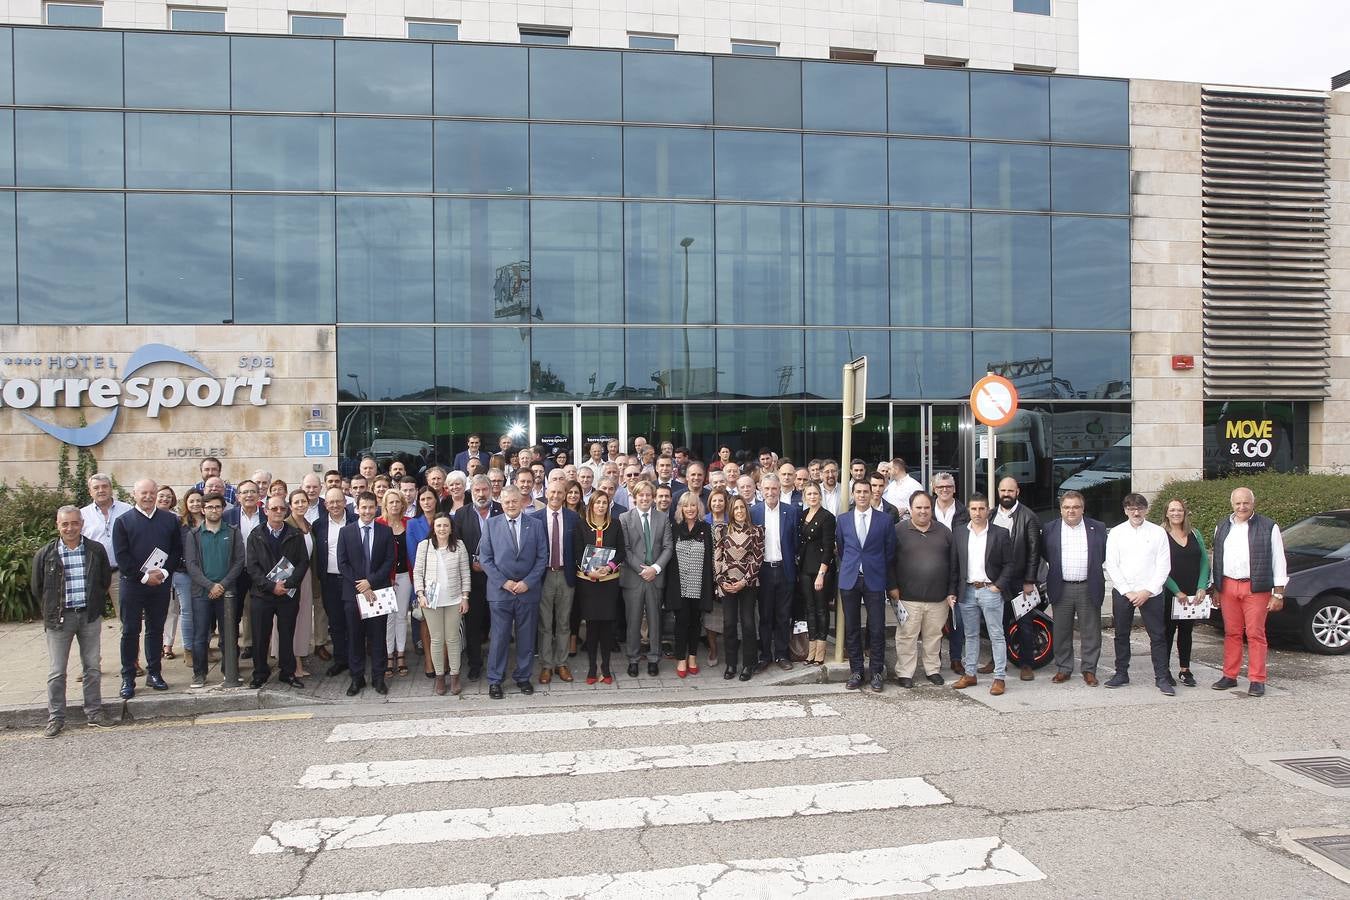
(1326, 625)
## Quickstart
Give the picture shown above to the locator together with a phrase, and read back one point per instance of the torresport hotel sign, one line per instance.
(101, 385)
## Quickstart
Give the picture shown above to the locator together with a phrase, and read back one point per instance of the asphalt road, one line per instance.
(1051, 791)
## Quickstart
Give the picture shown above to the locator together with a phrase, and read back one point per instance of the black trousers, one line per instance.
(476, 620)
(817, 606)
(775, 612)
(688, 626)
(331, 586)
(1152, 612)
(599, 639)
(285, 610)
(856, 599)
(139, 607)
(365, 643)
(738, 618)
(1183, 629)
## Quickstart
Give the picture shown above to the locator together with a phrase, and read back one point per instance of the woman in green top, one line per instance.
(1187, 582)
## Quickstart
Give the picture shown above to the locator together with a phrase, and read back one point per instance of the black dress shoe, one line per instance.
(293, 682)
(632, 670)
(653, 669)
(1224, 683)
(355, 687)
(255, 684)
(247, 653)
(495, 691)
(745, 673)
(156, 682)
(128, 688)
(854, 682)
(525, 687)
(1256, 689)
(761, 666)
(730, 673)
(878, 682)
(935, 678)
(906, 682)
(336, 669)
(380, 686)
(475, 673)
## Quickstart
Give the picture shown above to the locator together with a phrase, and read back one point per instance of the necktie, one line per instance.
(365, 543)
(515, 538)
(647, 536)
(862, 529)
(555, 548)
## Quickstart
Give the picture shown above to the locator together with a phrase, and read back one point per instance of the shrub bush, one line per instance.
(27, 521)
(1284, 497)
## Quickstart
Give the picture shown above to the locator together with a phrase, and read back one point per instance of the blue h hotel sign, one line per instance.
(318, 443)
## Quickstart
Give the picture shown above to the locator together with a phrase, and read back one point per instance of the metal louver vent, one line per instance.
(1265, 224)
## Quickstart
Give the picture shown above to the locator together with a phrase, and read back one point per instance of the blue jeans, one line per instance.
(986, 602)
(206, 614)
(182, 588)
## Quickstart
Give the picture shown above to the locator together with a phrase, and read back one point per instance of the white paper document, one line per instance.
(155, 560)
(1025, 603)
(1191, 611)
(438, 598)
(384, 603)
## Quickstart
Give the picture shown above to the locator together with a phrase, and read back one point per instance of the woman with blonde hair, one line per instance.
(396, 629)
(1187, 583)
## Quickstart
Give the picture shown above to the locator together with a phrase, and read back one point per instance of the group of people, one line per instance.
(652, 553)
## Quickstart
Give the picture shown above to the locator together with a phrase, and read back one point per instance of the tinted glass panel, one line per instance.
(532, 36)
(760, 362)
(576, 160)
(670, 363)
(384, 259)
(281, 74)
(7, 146)
(283, 259)
(390, 364)
(6, 65)
(481, 81)
(1010, 106)
(69, 149)
(668, 262)
(72, 263)
(1092, 365)
(1010, 176)
(322, 25)
(661, 87)
(930, 269)
(577, 261)
(483, 261)
(384, 77)
(1087, 180)
(196, 20)
(930, 173)
(576, 362)
(1037, 7)
(827, 350)
(930, 365)
(67, 68)
(667, 162)
(9, 288)
(178, 71)
(482, 157)
(433, 31)
(759, 265)
(846, 267)
(83, 15)
(839, 97)
(1089, 111)
(1011, 272)
(844, 169)
(648, 42)
(1091, 272)
(929, 101)
(994, 350)
(273, 153)
(178, 258)
(764, 92)
(383, 155)
(166, 150)
(755, 165)
(754, 49)
(574, 84)
(482, 363)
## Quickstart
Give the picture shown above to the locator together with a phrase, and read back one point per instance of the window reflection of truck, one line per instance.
(1113, 465)
(1023, 451)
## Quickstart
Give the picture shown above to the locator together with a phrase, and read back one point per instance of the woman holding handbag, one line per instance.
(441, 579)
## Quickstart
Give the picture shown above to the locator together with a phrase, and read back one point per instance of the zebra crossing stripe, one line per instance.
(584, 762)
(535, 723)
(885, 871)
(448, 825)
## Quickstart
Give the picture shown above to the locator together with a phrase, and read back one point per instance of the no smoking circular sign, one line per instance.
(994, 401)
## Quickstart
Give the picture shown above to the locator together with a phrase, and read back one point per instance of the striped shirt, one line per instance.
(73, 562)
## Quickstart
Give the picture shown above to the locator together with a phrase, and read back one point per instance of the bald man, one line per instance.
(148, 545)
(1250, 575)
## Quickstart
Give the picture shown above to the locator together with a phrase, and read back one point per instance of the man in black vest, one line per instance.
(1250, 576)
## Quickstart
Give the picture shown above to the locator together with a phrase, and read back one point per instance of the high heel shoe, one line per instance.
(590, 677)
(692, 667)
(680, 671)
(608, 677)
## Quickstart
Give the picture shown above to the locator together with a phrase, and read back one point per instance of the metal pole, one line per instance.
(993, 451)
(229, 643)
(845, 455)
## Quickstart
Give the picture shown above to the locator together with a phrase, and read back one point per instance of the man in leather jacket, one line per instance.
(1024, 526)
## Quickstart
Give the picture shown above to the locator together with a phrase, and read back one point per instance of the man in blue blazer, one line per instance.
(865, 539)
(326, 530)
(778, 574)
(513, 551)
(475, 451)
(556, 594)
(1074, 548)
(365, 556)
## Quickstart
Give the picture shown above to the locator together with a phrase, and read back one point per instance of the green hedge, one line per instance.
(1284, 497)
(27, 521)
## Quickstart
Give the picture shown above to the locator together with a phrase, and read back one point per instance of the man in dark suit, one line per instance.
(665, 474)
(1024, 530)
(778, 574)
(949, 511)
(326, 530)
(1075, 549)
(273, 596)
(866, 543)
(365, 556)
(555, 599)
(475, 451)
(470, 520)
(986, 571)
(145, 590)
(514, 553)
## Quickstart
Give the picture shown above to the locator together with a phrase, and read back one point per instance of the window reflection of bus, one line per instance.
(1113, 465)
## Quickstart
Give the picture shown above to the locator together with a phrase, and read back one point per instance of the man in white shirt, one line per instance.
(98, 518)
(596, 462)
(900, 486)
(313, 488)
(1138, 562)
(830, 495)
(1250, 575)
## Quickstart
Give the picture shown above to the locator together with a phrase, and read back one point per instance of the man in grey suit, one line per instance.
(648, 546)
(513, 551)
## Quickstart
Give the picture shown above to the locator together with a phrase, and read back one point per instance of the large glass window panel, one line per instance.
(1091, 272)
(387, 364)
(61, 148)
(178, 258)
(1089, 111)
(666, 87)
(670, 364)
(177, 150)
(476, 80)
(384, 155)
(827, 349)
(384, 259)
(1016, 107)
(759, 265)
(283, 260)
(482, 158)
(1092, 365)
(576, 258)
(576, 363)
(9, 287)
(755, 363)
(928, 101)
(576, 160)
(574, 84)
(846, 262)
(930, 269)
(667, 162)
(838, 97)
(483, 261)
(1010, 278)
(1023, 357)
(72, 259)
(749, 91)
(177, 71)
(276, 153)
(67, 68)
(483, 364)
(6, 65)
(930, 365)
(1034, 7)
(7, 146)
(1010, 176)
(389, 77)
(1084, 179)
(668, 263)
(930, 173)
(79, 15)
(758, 165)
(282, 74)
(839, 169)
(196, 20)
